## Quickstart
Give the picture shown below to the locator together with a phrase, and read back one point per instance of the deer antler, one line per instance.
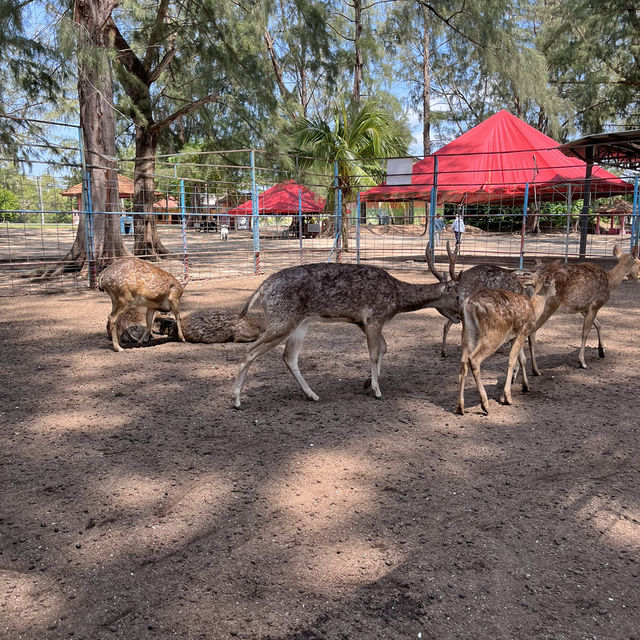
(440, 275)
(452, 260)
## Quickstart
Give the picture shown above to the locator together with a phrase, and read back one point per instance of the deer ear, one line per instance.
(616, 251)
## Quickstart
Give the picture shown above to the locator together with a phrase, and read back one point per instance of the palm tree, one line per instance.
(357, 140)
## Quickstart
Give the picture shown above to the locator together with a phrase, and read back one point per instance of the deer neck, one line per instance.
(412, 297)
(616, 275)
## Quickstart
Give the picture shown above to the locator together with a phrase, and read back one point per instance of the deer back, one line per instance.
(132, 278)
(353, 293)
(487, 276)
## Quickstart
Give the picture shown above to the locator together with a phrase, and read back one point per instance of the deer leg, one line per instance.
(522, 361)
(514, 356)
(461, 379)
(175, 308)
(268, 340)
(476, 358)
(377, 347)
(147, 332)
(597, 325)
(589, 318)
(291, 353)
(115, 315)
(532, 352)
(383, 351)
(445, 332)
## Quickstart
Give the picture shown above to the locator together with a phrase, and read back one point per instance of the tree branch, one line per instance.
(154, 129)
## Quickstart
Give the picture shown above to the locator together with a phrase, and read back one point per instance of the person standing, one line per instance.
(438, 228)
(458, 228)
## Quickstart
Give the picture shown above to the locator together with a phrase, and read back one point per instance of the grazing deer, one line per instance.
(131, 282)
(583, 288)
(491, 317)
(482, 276)
(211, 326)
(328, 292)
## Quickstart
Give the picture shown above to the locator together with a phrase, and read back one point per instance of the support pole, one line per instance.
(183, 224)
(300, 223)
(88, 216)
(568, 229)
(339, 238)
(358, 229)
(586, 199)
(433, 204)
(524, 225)
(635, 226)
(255, 220)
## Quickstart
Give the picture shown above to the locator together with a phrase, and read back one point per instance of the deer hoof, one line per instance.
(601, 352)
(485, 407)
(460, 410)
(583, 365)
(314, 397)
(504, 400)
(525, 388)
(443, 354)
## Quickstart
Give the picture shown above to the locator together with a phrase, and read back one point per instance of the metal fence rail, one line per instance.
(213, 219)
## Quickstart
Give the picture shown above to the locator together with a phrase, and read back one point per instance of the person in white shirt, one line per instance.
(458, 228)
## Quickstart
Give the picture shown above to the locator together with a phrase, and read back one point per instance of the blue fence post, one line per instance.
(183, 221)
(568, 229)
(88, 216)
(339, 238)
(433, 204)
(358, 229)
(635, 227)
(524, 224)
(255, 220)
(300, 222)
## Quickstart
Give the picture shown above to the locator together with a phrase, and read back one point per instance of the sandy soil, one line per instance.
(137, 503)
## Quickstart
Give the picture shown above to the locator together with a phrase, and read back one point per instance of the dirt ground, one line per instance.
(137, 503)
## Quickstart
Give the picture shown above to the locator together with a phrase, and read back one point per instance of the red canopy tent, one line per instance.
(282, 199)
(494, 160)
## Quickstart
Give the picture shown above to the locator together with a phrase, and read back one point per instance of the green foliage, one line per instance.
(8, 203)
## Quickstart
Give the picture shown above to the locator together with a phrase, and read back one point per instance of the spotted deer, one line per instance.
(583, 288)
(131, 282)
(328, 292)
(490, 317)
(482, 276)
(213, 326)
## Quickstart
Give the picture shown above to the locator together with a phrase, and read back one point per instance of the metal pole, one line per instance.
(40, 199)
(524, 224)
(339, 238)
(566, 241)
(358, 229)
(586, 196)
(300, 222)
(183, 220)
(255, 220)
(88, 215)
(635, 227)
(433, 205)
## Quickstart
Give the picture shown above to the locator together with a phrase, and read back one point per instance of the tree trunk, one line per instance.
(426, 87)
(358, 64)
(97, 122)
(145, 229)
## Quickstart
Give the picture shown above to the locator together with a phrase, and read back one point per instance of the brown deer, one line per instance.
(583, 288)
(491, 317)
(482, 276)
(212, 326)
(131, 282)
(328, 292)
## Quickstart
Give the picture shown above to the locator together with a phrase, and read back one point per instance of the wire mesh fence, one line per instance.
(239, 212)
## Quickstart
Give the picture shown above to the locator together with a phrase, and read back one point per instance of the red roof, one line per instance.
(496, 159)
(283, 198)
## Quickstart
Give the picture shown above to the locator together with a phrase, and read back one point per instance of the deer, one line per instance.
(482, 276)
(489, 318)
(211, 326)
(583, 288)
(364, 295)
(131, 282)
